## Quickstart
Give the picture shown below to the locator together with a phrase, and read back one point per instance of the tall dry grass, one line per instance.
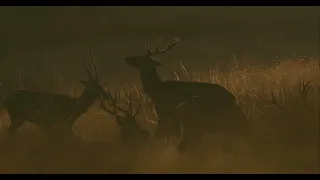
(288, 136)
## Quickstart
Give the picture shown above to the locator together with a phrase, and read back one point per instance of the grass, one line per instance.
(289, 136)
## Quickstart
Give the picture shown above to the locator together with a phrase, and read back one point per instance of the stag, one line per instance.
(49, 109)
(131, 133)
(168, 94)
(199, 116)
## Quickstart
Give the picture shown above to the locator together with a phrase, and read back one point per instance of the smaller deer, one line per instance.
(52, 109)
(131, 133)
(199, 116)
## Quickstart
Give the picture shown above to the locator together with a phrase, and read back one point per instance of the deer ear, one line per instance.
(156, 63)
(83, 82)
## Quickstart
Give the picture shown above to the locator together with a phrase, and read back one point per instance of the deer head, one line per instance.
(146, 61)
(131, 132)
(93, 89)
(126, 121)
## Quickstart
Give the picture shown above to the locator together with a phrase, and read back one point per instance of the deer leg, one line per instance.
(9, 137)
(241, 129)
(15, 124)
(68, 131)
(182, 146)
(162, 131)
(183, 143)
(194, 142)
(230, 137)
(189, 142)
(163, 128)
(176, 130)
(233, 122)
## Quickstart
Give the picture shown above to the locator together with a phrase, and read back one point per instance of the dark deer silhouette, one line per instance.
(131, 133)
(199, 116)
(168, 94)
(49, 109)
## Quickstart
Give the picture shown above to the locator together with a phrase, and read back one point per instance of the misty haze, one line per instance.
(266, 58)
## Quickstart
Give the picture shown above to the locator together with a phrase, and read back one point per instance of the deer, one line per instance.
(131, 133)
(167, 94)
(202, 115)
(50, 109)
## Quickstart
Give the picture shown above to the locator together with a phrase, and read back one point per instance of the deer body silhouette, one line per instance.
(199, 116)
(166, 95)
(49, 109)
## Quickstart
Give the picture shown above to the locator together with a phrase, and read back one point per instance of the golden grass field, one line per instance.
(288, 136)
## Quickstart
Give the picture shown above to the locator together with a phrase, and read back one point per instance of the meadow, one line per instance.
(288, 132)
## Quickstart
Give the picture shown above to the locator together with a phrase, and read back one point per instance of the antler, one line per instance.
(114, 112)
(303, 90)
(169, 46)
(105, 106)
(112, 99)
(94, 67)
(130, 110)
(274, 99)
(128, 113)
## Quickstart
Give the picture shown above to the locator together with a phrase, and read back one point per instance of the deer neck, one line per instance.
(85, 100)
(151, 82)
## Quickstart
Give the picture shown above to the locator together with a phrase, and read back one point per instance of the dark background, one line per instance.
(38, 39)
